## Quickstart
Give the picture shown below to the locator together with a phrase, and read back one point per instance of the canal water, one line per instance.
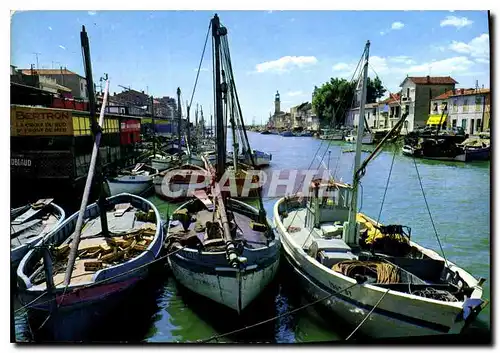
(458, 196)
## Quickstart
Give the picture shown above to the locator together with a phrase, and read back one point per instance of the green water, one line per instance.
(458, 196)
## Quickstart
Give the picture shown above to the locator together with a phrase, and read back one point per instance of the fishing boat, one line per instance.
(107, 265)
(30, 223)
(366, 139)
(371, 276)
(176, 184)
(261, 159)
(134, 180)
(222, 248)
(164, 161)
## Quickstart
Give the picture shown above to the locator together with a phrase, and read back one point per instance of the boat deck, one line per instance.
(254, 239)
(92, 242)
(25, 231)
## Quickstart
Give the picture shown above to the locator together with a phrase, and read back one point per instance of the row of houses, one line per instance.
(425, 99)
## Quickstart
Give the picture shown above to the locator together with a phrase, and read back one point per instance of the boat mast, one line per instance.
(219, 118)
(154, 127)
(233, 130)
(188, 133)
(97, 131)
(179, 119)
(352, 224)
(202, 124)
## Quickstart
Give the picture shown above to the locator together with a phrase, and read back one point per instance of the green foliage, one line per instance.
(332, 100)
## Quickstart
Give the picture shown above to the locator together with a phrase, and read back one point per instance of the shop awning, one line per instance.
(436, 119)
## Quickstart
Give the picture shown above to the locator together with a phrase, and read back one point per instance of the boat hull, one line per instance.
(398, 314)
(135, 185)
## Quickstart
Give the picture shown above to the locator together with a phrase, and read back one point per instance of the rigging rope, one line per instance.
(428, 208)
(201, 62)
(386, 186)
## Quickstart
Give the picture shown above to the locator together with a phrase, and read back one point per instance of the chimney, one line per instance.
(142, 92)
(428, 79)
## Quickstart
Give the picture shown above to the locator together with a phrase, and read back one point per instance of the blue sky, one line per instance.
(289, 51)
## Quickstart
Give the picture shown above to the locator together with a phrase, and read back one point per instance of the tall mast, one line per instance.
(154, 127)
(202, 124)
(188, 137)
(179, 118)
(219, 118)
(351, 229)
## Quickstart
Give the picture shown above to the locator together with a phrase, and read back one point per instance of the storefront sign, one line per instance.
(27, 121)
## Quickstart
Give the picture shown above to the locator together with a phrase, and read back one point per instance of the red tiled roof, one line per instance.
(393, 98)
(433, 80)
(461, 92)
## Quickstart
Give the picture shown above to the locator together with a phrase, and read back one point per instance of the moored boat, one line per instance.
(106, 267)
(178, 183)
(30, 223)
(134, 180)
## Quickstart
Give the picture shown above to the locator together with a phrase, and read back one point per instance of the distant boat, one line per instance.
(133, 180)
(287, 133)
(367, 138)
(178, 183)
(265, 132)
(30, 223)
(261, 159)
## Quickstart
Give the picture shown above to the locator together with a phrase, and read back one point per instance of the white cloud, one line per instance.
(382, 33)
(483, 61)
(285, 63)
(402, 59)
(295, 93)
(50, 28)
(397, 25)
(478, 47)
(62, 47)
(456, 21)
(341, 67)
(92, 13)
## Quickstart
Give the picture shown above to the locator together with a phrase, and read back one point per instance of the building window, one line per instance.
(435, 107)
(407, 108)
(454, 123)
(465, 107)
(408, 93)
(478, 104)
(464, 124)
(478, 125)
(455, 105)
(445, 106)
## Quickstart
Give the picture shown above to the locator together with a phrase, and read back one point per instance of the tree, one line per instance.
(374, 90)
(333, 99)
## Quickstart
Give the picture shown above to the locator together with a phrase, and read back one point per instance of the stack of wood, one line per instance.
(112, 250)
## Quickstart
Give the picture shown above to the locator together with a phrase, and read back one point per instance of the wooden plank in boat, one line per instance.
(16, 229)
(137, 167)
(203, 197)
(32, 211)
(121, 208)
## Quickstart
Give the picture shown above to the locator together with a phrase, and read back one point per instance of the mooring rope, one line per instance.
(215, 337)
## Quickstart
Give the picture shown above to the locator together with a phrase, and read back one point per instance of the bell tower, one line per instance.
(277, 103)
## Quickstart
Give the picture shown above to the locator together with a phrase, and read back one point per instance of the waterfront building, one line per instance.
(63, 77)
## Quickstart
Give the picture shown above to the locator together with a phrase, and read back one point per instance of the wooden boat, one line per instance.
(261, 159)
(162, 162)
(178, 183)
(372, 276)
(106, 267)
(30, 223)
(367, 138)
(134, 180)
(334, 135)
(286, 133)
(221, 248)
